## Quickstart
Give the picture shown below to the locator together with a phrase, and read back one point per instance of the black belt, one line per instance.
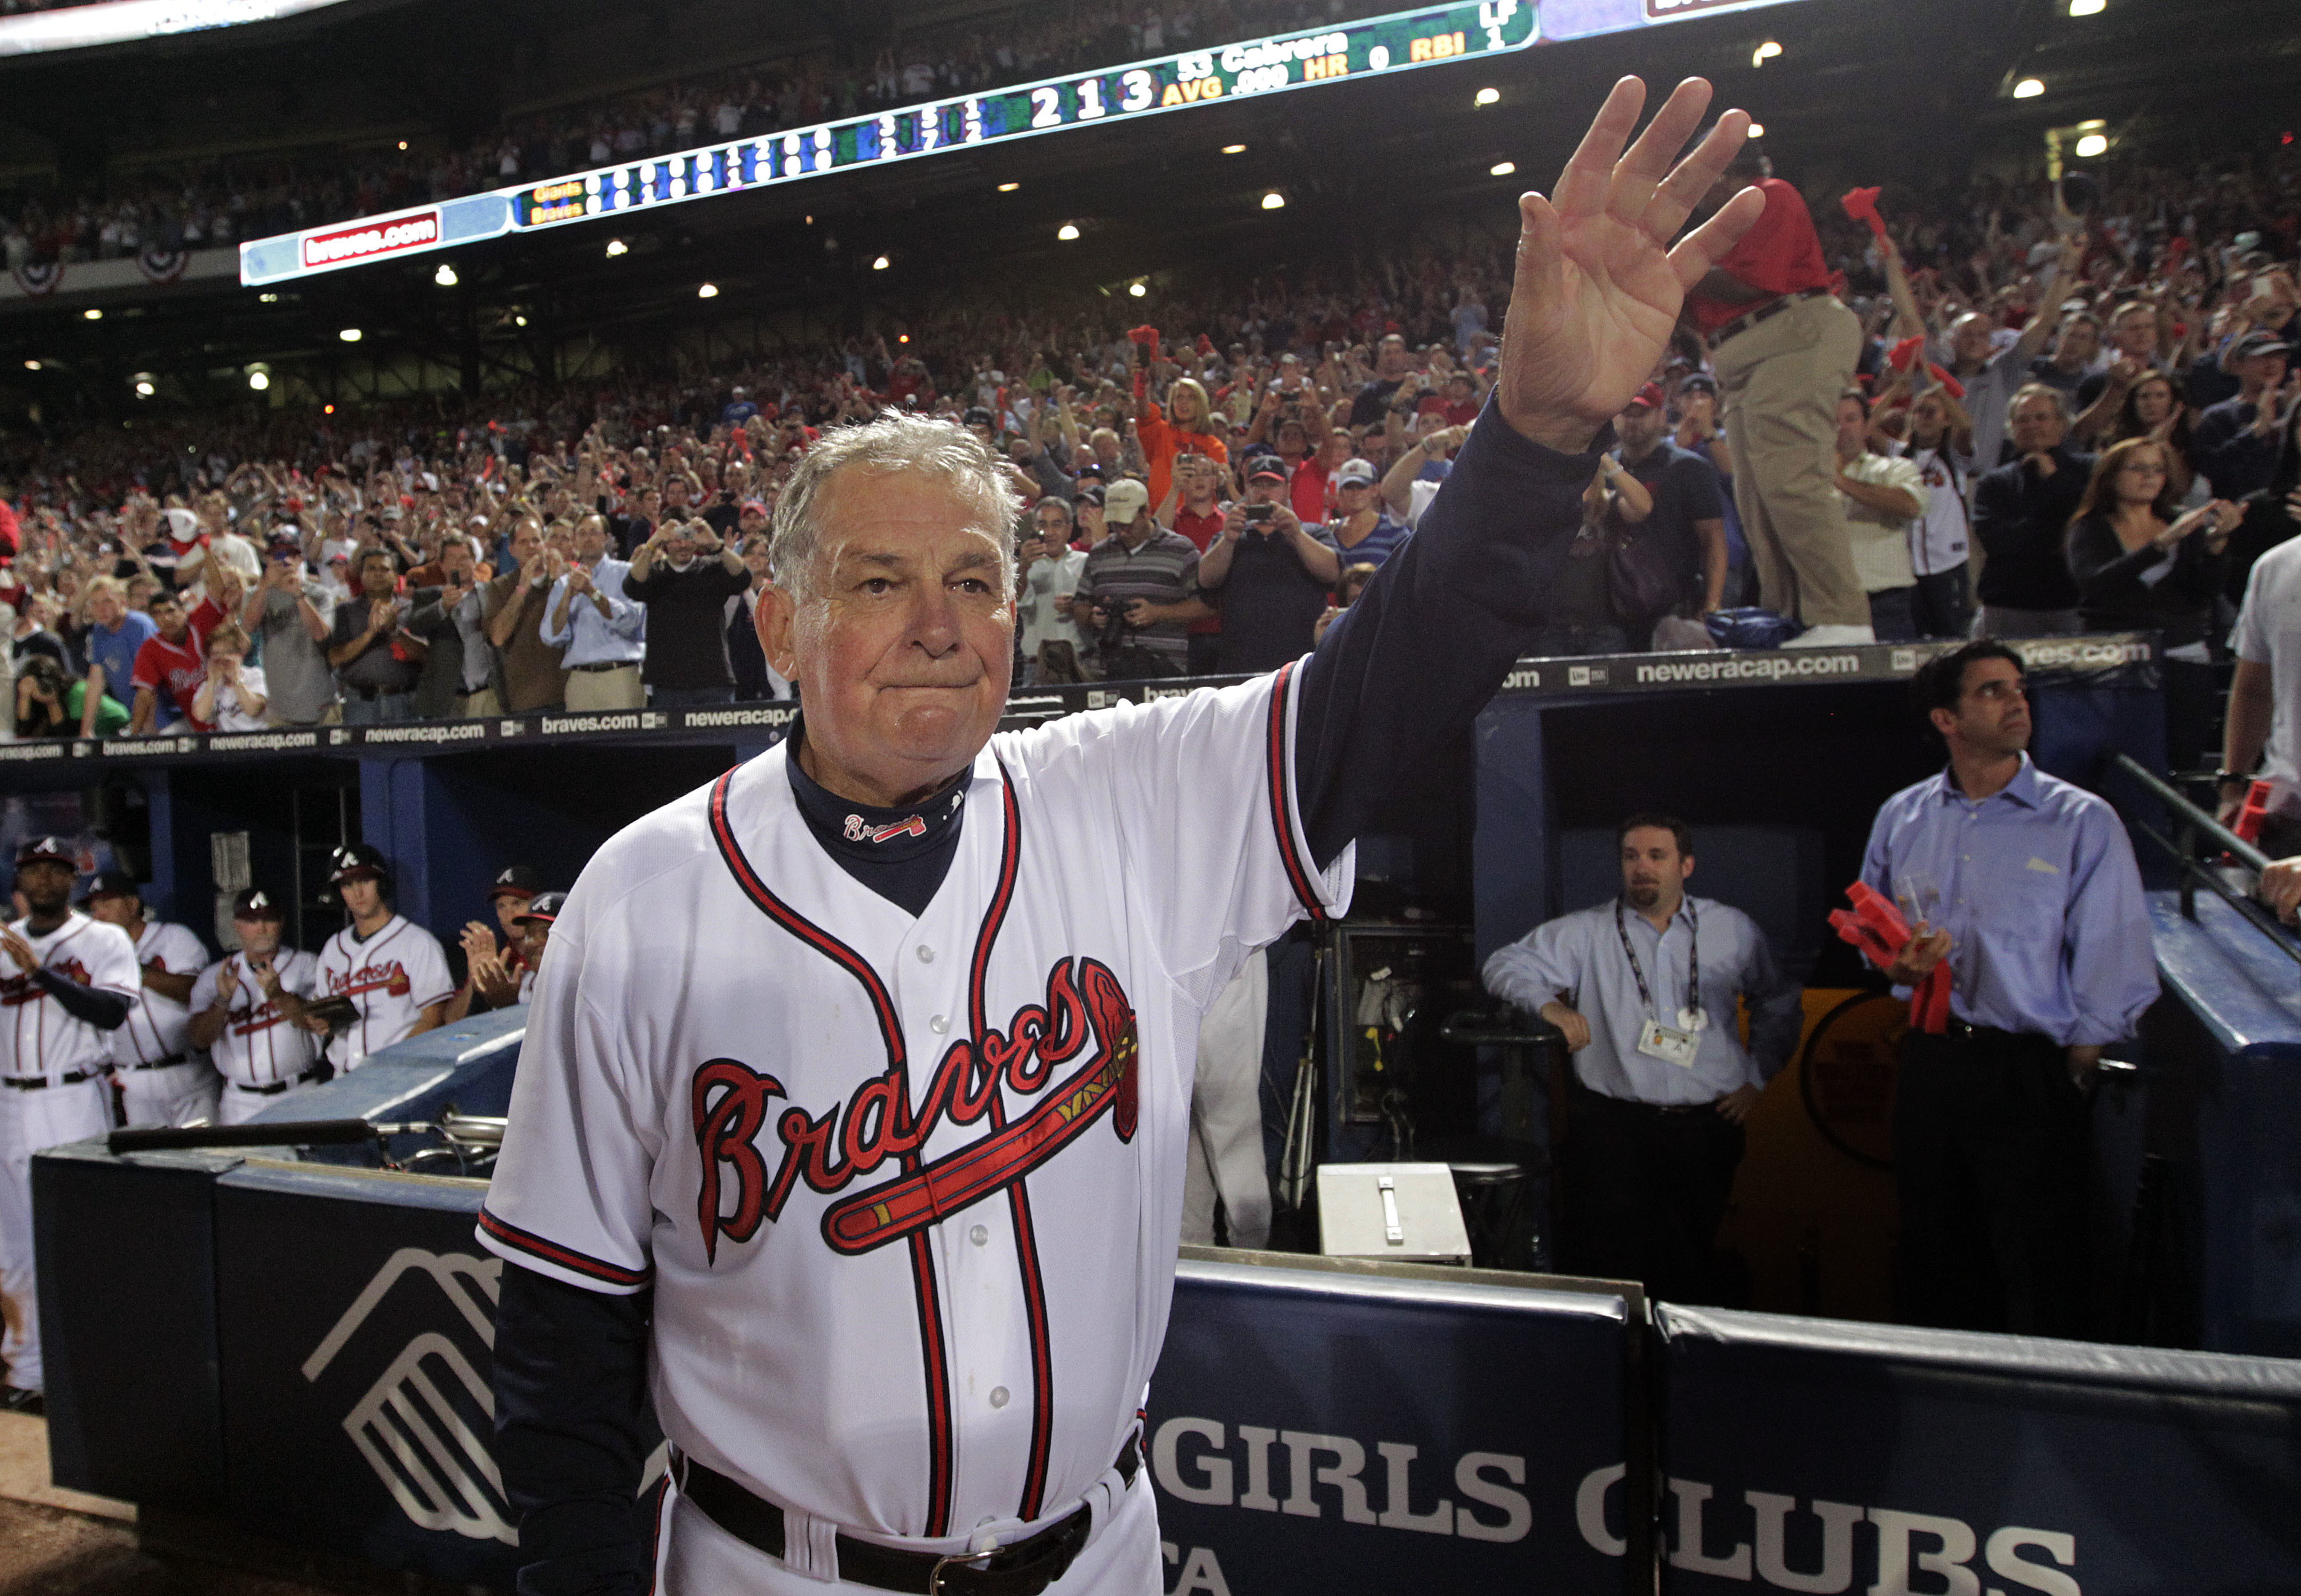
(160, 1064)
(1653, 1110)
(1964, 1031)
(41, 1082)
(369, 695)
(1764, 312)
(608, 665)
(1025, 1568)
(275, 1089)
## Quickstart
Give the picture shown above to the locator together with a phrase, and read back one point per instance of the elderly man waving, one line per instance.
(852, 1120)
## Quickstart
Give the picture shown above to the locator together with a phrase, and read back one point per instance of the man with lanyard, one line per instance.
(65, 982)
(2026, 886)
(161, 1083)
(237, 1013)
(1662, 1083)
(603, 633)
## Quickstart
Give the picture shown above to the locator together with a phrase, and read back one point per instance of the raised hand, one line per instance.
(1598, 287)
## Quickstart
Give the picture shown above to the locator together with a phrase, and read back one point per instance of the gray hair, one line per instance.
(894, 442)
(2053, 395)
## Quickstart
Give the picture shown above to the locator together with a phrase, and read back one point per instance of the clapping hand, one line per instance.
(1599, 287)
(19, 949)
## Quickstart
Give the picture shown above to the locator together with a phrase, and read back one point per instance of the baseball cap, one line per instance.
(255, 904)
(1124, 500)
(1700, 382)
(1266, 467)
(1354, 473)
(358, 863)
(1091, 468)
(515, 880)
(752, 506)
(544, 908)
(55, 850)
(2259, 343)
(1088, 493)
(112, 884)
(284, 549)
(978, 416)
(1648, 397)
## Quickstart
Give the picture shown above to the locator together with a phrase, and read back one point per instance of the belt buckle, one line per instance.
(934, 1574)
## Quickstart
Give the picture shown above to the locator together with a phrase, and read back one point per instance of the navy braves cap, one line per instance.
(361, 861)
(543, 910)
(53, 850)
(257, 904)
(515, 880)
(112, 883)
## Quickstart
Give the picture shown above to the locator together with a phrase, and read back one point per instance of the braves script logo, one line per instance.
(20, 989)
(372, 978)
(857, 830)
(420, 1425)
(1084, 1005)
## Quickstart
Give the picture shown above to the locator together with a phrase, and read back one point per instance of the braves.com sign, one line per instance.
(368, 240)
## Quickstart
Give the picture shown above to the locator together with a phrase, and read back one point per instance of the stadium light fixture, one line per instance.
(1069, 232)
(31, 365)
(2092, 144)
(1502, 169)
(880, 264)
(350, 335)
(93, 315)
(403, 143)
(259, 381)
(1487, 97)
(616, 247)
(445, 275)
(1136, 289)
(1274, 201)
(709, 290)
(144, 386)
(1009, 188)
(1757, 129)
(519, 321)
(267, 299)
(1234, 149)
(2028, 88)
(2087, 8)
(902, 338)
(1765, 53)
(327, 410)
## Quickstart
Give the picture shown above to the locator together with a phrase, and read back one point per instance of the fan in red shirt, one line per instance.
(169, 669)
(1784, 348)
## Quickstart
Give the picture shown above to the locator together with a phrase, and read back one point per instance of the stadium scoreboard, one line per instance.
(1308, 58)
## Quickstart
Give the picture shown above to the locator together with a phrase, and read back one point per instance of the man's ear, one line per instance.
(1945, 721)
(776, 617)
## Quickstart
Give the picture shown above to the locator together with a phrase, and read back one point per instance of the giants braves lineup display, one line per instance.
(852, 1124)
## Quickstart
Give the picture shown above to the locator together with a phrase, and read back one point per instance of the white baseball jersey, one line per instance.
(393, 976)
(907, 1189)
(257, 1046)
(156, 1027)
(36, 1037)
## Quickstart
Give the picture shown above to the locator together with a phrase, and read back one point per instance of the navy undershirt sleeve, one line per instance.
(1408, 665)
(106, 1011)
(572, 1432)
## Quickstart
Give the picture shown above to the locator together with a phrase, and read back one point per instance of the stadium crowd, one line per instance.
(2089, 384)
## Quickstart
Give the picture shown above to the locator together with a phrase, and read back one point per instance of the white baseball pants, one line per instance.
(30, 1122)
(1225, 1157)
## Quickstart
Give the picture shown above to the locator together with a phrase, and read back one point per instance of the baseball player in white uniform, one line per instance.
(66, 982)
(260, 1054)
(851, 1122)
(160, 1081)
(393, 970)
(1226, 1159)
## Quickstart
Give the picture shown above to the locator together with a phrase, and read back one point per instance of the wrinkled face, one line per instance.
(258, 936)
(1992, 717)
(1053, 522)
(1652, 865)
(2036, 425)
(903, 644)
(1968, 340)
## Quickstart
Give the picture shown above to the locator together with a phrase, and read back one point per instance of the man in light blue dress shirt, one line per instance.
(1644, 987)
(602, 631)
(2026, 885)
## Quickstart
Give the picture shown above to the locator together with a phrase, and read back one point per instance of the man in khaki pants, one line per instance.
(1784, 348)
(603, 633)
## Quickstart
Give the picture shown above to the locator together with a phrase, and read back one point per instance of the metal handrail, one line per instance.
(2196, 823)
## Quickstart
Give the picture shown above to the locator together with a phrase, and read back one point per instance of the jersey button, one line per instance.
(980, 1235)
(927, 954)
(938, 1025)
(999, 1396)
